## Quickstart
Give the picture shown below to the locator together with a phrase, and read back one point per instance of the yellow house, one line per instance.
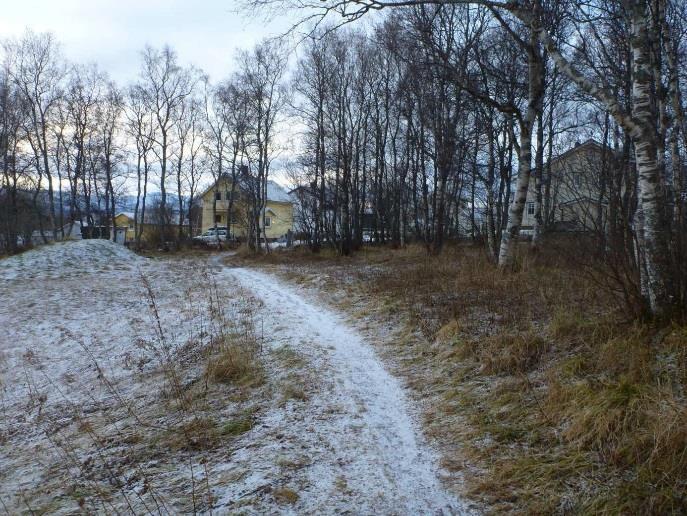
(278, 210)
(126, 220)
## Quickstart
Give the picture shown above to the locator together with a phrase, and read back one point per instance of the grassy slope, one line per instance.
(533, 385)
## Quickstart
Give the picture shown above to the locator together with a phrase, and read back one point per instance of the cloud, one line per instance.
(113, 32)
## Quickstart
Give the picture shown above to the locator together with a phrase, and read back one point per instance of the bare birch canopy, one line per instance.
(438, 120)
(531, 26)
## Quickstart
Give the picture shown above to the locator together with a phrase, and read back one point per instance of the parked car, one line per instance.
(211, 237)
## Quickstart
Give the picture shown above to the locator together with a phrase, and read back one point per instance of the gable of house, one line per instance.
(124, 220)
(575, 187)
(216, 199)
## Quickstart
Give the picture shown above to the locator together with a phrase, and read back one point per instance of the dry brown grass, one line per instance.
(621, 397)
(236, 364)
(512, 353)
(536, 383)
(199, 433)
(284, 495)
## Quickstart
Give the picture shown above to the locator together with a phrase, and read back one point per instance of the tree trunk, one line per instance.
(535, 92)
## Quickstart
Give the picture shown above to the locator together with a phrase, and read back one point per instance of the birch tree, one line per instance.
(108, 123)
(217, 142)
(262, 72)
(13, 114)
(165, 85)
(37, 73)
(140, 126)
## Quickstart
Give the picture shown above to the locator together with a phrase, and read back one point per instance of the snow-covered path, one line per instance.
(369, 454)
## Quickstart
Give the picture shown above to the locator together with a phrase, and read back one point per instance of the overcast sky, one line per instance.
(112, 33)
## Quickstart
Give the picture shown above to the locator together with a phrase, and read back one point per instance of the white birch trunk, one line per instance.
(509, 238)
(656, 252)
(517, 207)
(642, 127)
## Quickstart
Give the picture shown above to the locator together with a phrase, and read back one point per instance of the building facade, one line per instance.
(279, 211)
(578, 199)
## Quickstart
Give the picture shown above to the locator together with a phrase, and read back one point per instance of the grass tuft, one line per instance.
(238, 365)
(284, 495)
(512, 353)
(449, 332)
(197, 434)
(239, 425)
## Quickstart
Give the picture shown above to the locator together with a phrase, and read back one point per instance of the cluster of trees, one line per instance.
(452, 110)
(394, 146)
(433, 123)
(72, 142)
(242, 115)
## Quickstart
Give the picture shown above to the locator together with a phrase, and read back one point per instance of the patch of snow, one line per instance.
(276, 192)
(68, 259)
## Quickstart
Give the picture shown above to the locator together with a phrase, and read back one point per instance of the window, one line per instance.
(218, 196)
(530, 208)
(218, 218)
(268, 222)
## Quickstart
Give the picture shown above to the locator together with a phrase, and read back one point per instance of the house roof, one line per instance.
(298, 193)
(589, 144)
(275, 192)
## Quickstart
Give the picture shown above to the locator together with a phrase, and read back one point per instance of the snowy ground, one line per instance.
(89, 410)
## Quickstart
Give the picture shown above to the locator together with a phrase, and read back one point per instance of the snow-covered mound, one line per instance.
(67, 259)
